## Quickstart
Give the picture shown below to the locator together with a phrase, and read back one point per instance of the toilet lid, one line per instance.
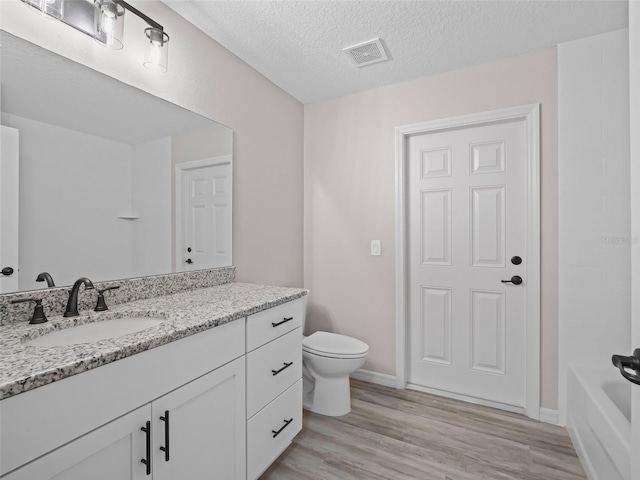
(326, 343)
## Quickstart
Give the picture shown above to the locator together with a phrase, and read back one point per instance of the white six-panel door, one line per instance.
(206, 213)
(466, 215)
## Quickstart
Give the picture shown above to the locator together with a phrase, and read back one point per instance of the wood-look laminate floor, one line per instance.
(400, 435)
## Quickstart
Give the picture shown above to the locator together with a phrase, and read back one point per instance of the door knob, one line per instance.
(189, 261)
(632, 363)
(7, 271)
(516, 280)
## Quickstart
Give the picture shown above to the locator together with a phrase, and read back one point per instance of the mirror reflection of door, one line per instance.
(9, 209)
(204, 214)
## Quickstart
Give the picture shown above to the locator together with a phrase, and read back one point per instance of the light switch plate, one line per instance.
(375, 247)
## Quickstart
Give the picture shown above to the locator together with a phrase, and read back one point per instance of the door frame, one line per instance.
(180, 171)
(530, 114)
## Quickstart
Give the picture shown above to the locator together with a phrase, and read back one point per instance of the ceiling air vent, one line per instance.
(367, 53)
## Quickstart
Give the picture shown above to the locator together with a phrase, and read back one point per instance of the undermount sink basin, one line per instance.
(94, 332)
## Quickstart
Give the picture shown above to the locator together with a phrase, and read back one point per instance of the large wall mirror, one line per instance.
(103, 180)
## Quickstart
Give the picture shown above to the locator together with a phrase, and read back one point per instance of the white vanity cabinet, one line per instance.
(223, 404)
(110, 452)
(274, 383)
(204, 434)
(204, 429)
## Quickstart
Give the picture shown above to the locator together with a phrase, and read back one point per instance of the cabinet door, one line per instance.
(206, 428)
(112, 452)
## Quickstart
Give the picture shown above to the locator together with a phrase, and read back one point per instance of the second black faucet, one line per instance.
(72, 304)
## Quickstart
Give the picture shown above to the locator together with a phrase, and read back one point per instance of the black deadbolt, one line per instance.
(516, 260)
(7, 271)
(189, 249)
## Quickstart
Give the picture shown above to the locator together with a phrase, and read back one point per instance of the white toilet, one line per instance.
(328, 360)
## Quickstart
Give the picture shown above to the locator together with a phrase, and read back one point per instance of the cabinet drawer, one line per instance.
(282, 418)
(267, 325)
(273, 368)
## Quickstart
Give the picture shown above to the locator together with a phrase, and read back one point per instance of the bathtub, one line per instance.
(599, 421)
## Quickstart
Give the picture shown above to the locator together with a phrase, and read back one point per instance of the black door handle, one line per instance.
(165, 449)
(286, 365)
(147, 461)
(189, 261)
(286, 424)
(284, 320)
(516, 280)
(632, 363)
(7, 271)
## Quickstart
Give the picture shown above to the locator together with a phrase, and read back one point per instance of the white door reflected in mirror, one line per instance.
(203, 214)
(9, 209)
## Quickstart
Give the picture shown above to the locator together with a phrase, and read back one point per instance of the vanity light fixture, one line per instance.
(104, 21)
(49, 8)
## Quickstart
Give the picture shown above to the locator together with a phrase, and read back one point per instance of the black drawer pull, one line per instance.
(165, 449)
(147, 461)
(286, 365)
(286, 424)
(284, 320)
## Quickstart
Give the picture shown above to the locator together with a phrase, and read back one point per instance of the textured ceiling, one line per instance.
(298, 44)
(46, 87)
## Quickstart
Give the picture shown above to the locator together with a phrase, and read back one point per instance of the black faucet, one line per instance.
(46, 276)
(72, 304)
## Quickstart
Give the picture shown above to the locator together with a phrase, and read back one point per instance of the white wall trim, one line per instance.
(549, 415)
(530, 114)
(375, 377)
(180, 170)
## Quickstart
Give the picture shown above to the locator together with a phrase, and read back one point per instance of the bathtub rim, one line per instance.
(591, 380)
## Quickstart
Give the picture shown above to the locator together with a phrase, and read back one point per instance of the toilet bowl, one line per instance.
(328, 360)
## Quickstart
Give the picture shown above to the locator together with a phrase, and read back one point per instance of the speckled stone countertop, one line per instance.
(24, 367)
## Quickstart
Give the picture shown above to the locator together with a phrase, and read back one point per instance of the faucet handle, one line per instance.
(38, 311)
(101, 306)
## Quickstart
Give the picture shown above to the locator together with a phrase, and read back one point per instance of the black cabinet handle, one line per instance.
(286, 424)
(516, 280)
(147, 461)
(165, 449)
(286, 365)
(284, 320)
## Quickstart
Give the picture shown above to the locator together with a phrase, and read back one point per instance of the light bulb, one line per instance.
(108, 19)
(109, 24)
(157, 55)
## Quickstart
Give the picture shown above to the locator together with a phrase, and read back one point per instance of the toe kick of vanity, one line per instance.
(227, 400)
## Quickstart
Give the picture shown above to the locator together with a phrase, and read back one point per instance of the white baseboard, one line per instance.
(548, 415)
(375, 377)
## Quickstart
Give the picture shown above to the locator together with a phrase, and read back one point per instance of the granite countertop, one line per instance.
(24, 367)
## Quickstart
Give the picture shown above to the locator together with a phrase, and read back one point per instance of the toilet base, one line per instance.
(328, 396)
